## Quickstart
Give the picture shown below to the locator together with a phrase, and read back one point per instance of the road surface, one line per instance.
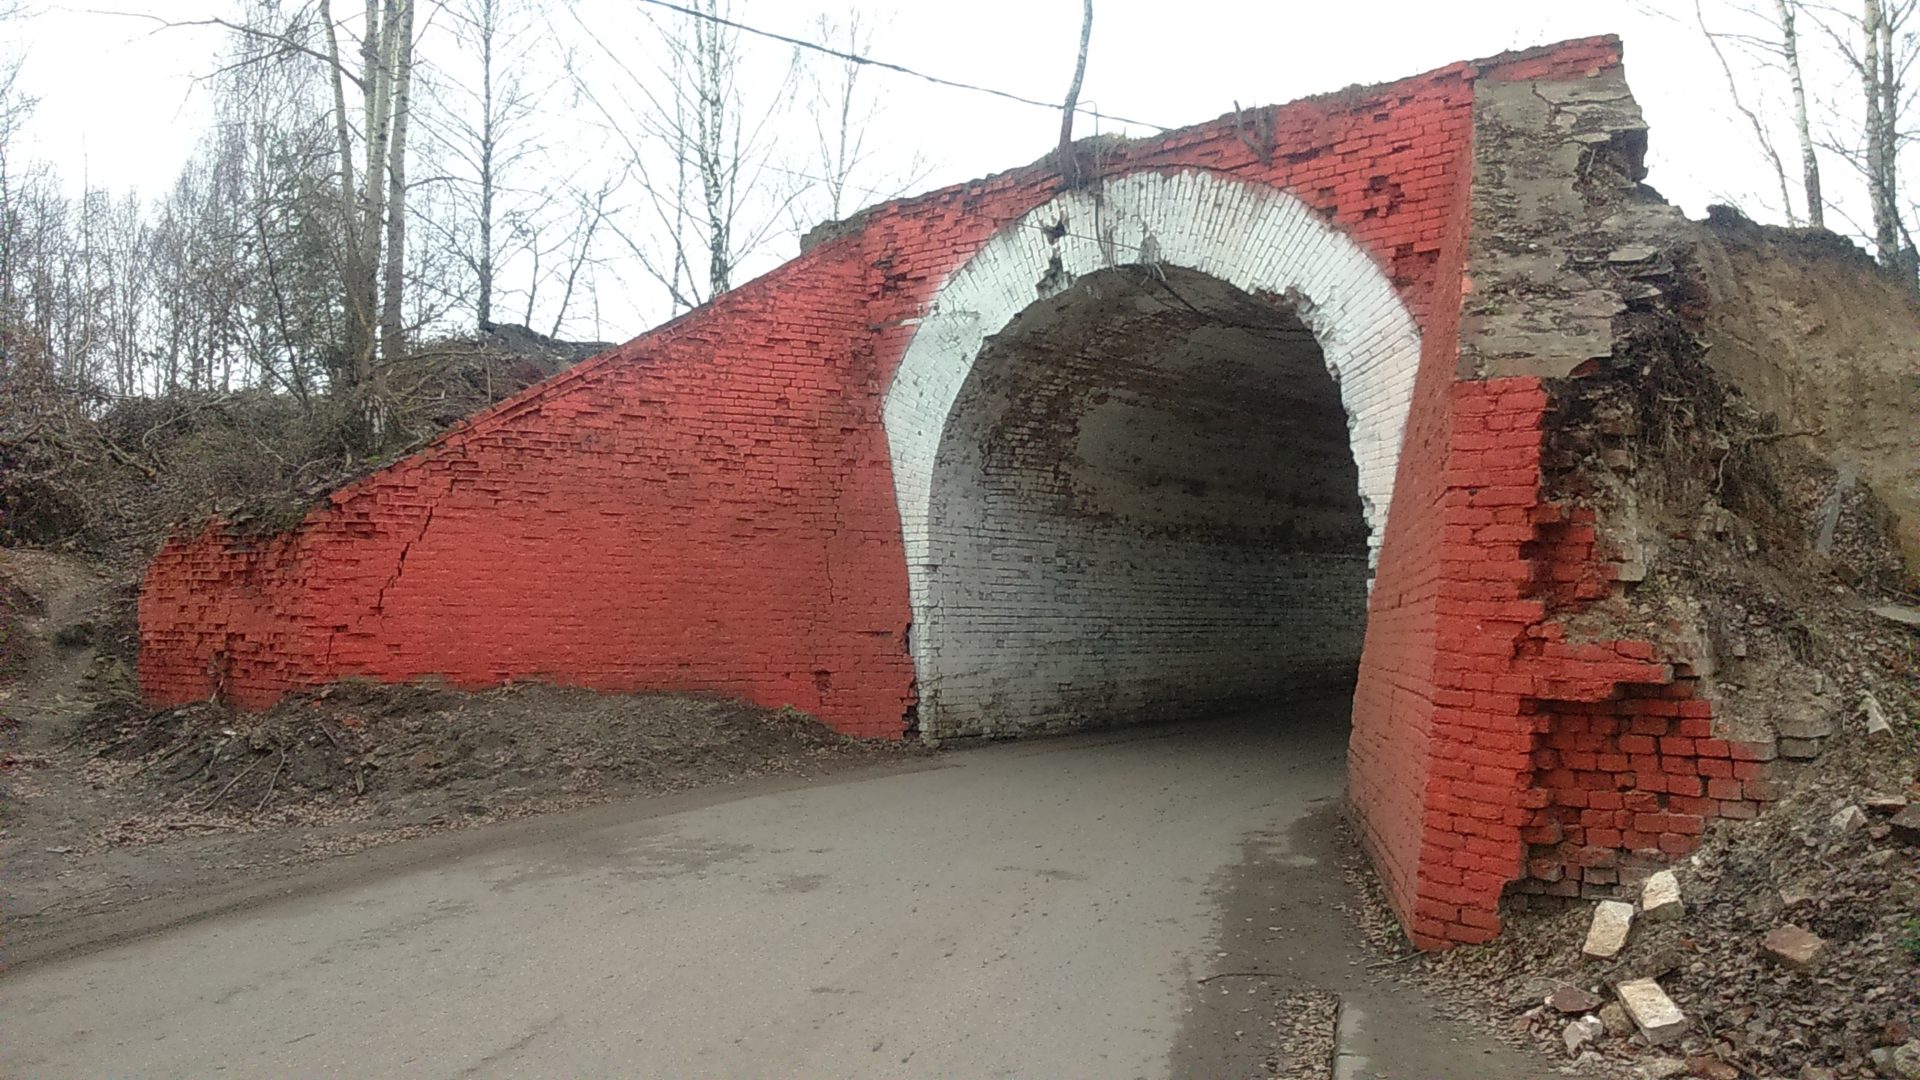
(1038, 909)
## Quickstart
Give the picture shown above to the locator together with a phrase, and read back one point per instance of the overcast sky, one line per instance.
(119, 105)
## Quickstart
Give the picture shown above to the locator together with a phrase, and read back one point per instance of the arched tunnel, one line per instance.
(1143, 506)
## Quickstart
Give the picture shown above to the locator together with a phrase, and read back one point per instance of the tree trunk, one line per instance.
(1876, 74)
(366, 288)
(1892, 71)
(1809, 162)
(711, 129)
(359, 316)
(399, 31)
(1079, 78)
(488, 136)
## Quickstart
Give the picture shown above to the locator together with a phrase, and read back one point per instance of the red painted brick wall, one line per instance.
(1394, 699)
(1553, 764)
(710, 506)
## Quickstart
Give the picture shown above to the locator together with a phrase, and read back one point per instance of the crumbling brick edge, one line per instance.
(1559, 767)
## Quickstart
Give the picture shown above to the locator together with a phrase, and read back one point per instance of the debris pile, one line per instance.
(1785, 946)
(363, 746)
(104, 806)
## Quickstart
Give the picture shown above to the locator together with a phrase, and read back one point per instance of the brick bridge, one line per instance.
(1207, 425)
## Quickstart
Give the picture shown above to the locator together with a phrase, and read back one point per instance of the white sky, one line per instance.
(119, 107)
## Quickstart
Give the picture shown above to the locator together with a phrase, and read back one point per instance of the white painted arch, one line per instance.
(1254, 236)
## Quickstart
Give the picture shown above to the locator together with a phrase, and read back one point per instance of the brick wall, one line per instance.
(1557, 766)
(1395, 700)
(739, 501)
(705, 508)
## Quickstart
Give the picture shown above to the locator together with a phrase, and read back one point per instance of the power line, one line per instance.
(858, 59)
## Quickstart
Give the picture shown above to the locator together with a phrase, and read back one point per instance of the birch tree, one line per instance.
(846, 170)
(396, 70)
(699, 151)
(1886, 56)
(1787, 20)
(1881, 47)
(1846, 87)
(485, 124)
(1770, 36)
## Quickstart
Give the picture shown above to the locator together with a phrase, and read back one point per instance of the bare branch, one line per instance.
(1760, 134)
(280, 39)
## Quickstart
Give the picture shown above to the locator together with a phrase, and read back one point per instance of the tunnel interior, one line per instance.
(1144, 506)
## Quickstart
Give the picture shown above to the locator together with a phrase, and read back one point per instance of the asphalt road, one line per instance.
(1026, 910)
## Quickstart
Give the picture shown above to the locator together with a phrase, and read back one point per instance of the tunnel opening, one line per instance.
(1144, 506)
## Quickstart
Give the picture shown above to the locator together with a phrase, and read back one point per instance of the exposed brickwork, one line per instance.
(717, 505)
(1558, 767)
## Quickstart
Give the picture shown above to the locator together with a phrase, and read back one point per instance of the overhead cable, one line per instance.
(856, 58)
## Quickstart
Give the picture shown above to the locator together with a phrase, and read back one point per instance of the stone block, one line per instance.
(1607, 934)
(1660, 1021)
(1660, 898)
(1800, 749)
(1906, 826)
(1795, 947)
(1884, 805)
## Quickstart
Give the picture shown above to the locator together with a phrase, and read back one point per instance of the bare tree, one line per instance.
(1881, 48)
(592, 214)
(843, 109)
(700, 153)
(1848, 90)
(370, 187)
(1883, 65)
(1762, 137)
(484, 124)
(15, 107)
(397, 70)
(1079, 78)
(1786, 14)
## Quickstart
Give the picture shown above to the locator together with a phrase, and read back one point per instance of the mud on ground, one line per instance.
(105, 806)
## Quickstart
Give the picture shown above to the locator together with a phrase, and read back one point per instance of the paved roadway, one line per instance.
(1023, 910)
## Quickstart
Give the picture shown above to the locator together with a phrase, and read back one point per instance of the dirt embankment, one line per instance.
(1811, 330)
(105, 806)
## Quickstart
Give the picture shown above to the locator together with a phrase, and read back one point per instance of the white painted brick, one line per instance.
(1259, 238)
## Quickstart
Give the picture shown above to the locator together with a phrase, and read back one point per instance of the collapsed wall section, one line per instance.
(1577, 744)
